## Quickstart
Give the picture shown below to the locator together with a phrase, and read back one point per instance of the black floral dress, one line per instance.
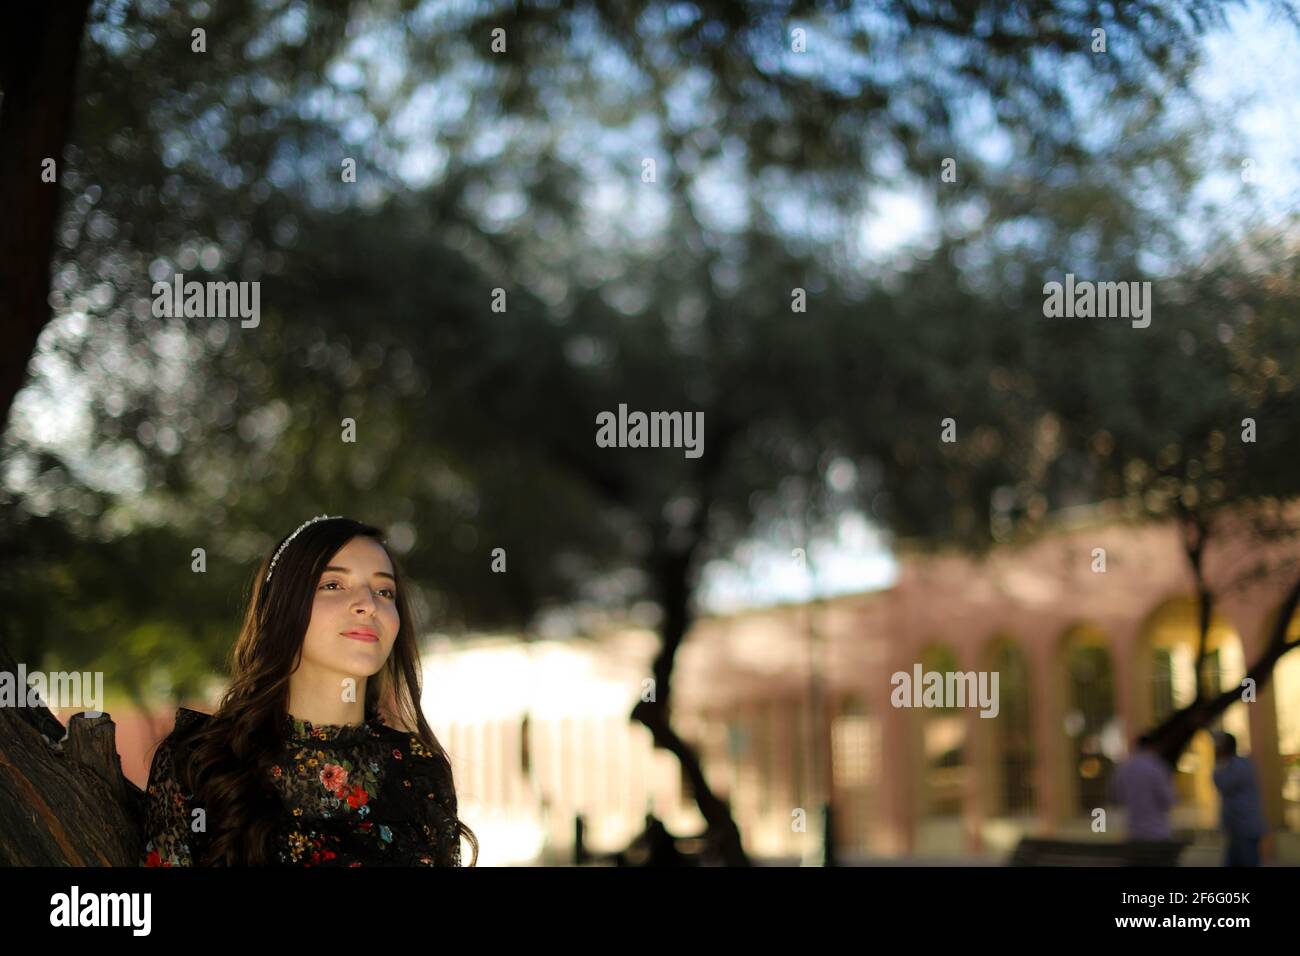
(350, 794)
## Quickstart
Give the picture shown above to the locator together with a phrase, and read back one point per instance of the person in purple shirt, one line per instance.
(1240, 813)
(1144, 785)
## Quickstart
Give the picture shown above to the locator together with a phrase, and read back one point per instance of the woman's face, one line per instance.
(354, 617)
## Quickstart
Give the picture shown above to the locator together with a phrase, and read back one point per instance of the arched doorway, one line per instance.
(943, 766)
(1166, 681)
(1286, 693)
(856, 757)
(1094, 737)
(1012, 791)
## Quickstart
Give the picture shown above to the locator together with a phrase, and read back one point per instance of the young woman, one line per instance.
(310, 758)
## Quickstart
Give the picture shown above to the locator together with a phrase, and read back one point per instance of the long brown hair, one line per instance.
(230, 756)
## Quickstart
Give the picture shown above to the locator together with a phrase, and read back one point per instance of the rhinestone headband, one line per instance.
(280, 550)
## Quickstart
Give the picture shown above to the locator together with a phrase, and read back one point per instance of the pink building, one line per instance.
(1086, 659)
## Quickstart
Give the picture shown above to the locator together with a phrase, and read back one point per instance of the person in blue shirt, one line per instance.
(1241, 816)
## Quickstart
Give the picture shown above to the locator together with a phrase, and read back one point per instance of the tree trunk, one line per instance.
(672, 571)
(38, 56)
(63, 799)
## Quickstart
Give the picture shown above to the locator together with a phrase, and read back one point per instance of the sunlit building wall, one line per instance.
(1086, 660)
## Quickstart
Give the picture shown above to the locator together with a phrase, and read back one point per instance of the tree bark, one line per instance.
(38, 56)
(672, 569)
(63, 799)
(671, 577)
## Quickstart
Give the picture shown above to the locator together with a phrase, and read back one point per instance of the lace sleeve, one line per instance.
(167, 813)
(449, 836)
(445, 835)
(442, 829)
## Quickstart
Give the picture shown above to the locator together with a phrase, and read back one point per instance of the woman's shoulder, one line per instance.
(186, 718)
(186, 723)
(171, 752)
(407, 746)
(398, 737)
(408, 740)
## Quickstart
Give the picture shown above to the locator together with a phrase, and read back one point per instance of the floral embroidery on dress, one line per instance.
(340, 792)
(334, 777)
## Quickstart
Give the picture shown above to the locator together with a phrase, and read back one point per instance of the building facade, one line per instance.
(1092, 632)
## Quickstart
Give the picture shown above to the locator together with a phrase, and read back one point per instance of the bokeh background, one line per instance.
(825, 226)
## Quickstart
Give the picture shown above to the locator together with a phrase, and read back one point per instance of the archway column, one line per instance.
(1132, 674)
(1046, 701)
(1082, 638)
(980, 791)
(900, 792)
(1253, 620)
